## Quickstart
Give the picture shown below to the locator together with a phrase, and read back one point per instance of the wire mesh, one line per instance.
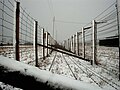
(26, 36)
(26, 33)
(39, 41)
(107, 40)
(6, 28)
(88, 44)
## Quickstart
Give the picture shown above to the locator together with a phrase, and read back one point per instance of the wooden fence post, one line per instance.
(77, 43)
(83, 43)
(47, 42)
(36, 50)
(94, 42)
(68, 44)
(72, 43)
(118, 21)
(17, 31)
(43, 45)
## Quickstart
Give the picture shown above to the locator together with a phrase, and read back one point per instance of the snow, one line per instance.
(84, 71)
(44, 76)
(105, 75)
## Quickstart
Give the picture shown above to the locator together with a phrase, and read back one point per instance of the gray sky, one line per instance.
(80, 12)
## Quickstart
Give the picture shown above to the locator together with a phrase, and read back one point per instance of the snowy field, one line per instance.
(104, 75)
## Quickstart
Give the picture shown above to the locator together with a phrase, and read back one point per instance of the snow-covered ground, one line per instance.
(104, 75)
(53, 80)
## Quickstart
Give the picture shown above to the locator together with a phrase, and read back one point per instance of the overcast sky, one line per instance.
(70, 15)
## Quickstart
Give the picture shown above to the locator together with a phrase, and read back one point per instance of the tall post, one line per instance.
(50, 43)
(14, 32)
(53, 25)
(64, 44)
(47, 42)
(94, 42)
(17, 31)
(83, 43)
(118, 22)
(36, 50)
(68, 44)
(72, 43)
(77, 43)
(43, 44)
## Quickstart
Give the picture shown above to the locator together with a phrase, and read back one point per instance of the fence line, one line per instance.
(21, 34)
(99, 38)
(88, 43)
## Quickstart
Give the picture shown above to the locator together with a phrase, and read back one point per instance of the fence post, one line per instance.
(72, 43)
(94, 42)
(47, 41)
(77, 43)
(36, 50)
(17, 31)
(68, 44)
(118, 21)
(43, 45)
(50, 43)
(118, 2)
(83, 43)
(64, 44)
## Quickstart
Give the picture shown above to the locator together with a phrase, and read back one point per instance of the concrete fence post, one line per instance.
(36, 50)
(17, 55)
(77, 43)
(43, 44)
(83, 43)
(68, 44)
(94, 26)
(72, 43)
(47, 42)
(118, 21)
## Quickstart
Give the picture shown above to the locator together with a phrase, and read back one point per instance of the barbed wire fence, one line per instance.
(21, 36)
(6, 27)
(29, 42)
(92, 42)
(99, 40)
(26, 36)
